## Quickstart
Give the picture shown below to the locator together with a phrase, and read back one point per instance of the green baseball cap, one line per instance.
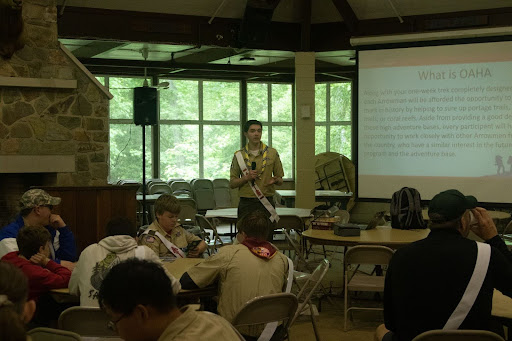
(37, 197)
(450, 205)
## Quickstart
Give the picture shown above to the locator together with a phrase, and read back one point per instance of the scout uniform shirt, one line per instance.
(273, 167)
(178, 236)
(242, 276)
(195, 325)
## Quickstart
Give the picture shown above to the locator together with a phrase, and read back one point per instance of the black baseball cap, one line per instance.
(450, 205)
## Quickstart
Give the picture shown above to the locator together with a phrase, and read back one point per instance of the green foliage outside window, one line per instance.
(333, 110)
(320, 139)
(257, 101)
(282, 103)
(220, 144)
(180, 101)
(320, 103)
(179, 155)
(126, 139)
(179, 145)
(341, 107)
(221, 101)
(126, 152)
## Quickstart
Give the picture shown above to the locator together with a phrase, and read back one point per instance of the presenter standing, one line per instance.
(256, 169)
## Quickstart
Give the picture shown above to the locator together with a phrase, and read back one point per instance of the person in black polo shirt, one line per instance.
(426, 280)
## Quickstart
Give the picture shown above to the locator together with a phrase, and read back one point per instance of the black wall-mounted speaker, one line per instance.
(145, 106)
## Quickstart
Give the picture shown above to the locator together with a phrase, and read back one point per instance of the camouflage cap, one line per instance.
(37, 197)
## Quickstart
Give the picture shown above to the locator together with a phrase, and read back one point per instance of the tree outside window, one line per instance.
(333, 118)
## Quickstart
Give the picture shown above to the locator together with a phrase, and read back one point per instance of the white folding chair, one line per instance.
(50, 334)
(86, 321)
(306, 293)
(266, 309)
(354, 281)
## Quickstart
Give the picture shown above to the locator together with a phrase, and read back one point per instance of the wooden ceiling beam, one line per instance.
(335, 36)
(117, 25)
(306, 26)
(194, 30)
(347, 13)
(157, 67)
(209, 55)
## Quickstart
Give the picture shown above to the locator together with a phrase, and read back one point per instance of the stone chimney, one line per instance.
(53, 112)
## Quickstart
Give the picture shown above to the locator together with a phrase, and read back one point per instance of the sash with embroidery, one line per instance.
(176, 251)
(257, 191)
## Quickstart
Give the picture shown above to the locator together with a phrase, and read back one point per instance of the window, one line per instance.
(272, 104)
(125, 137)
(333, 124)
(199, 126)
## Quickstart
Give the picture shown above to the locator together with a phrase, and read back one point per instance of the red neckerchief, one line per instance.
(260, 248)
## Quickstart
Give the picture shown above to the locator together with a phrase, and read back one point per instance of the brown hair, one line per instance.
(30, 239)
(255, 224)
(167, 202)
(120, 226)
(249, 123)
(14, 285)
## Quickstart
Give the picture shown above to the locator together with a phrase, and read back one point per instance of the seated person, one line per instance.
(15, 310)
(97, 259)
(33, 259)
(165, 236)
(252, 268)
(137, 296)
(426, 280)
(36, 210)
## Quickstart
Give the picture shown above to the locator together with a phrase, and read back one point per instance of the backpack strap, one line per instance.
(473, 289)
(410, 208)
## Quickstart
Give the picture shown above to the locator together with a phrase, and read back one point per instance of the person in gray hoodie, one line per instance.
(97, 259)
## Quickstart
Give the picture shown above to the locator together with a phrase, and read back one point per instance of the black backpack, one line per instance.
(405, 210)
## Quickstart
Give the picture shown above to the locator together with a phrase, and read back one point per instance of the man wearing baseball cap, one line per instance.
(427, 279)
(36, 210)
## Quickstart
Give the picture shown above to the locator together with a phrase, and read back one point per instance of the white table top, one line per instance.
(289, 193)
(382, 235)
(231, 213)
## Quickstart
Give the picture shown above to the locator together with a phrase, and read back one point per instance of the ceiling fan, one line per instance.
(162, 85)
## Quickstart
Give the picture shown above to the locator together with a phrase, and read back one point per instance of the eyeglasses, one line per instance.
(112, 325)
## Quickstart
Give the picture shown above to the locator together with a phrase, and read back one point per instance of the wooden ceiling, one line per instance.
(203, 38)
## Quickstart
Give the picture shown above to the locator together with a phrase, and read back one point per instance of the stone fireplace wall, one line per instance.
(50, 121)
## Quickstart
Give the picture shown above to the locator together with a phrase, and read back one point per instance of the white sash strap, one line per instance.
(176, 251)
(473, 288)
(140, 253)
(271, 327)
(264, 201)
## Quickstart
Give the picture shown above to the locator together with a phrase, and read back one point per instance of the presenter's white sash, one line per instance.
(264, 201)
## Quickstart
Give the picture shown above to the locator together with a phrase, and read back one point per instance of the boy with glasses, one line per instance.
(137, 296)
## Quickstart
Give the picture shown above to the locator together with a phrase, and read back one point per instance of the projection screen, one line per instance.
(434, 118)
